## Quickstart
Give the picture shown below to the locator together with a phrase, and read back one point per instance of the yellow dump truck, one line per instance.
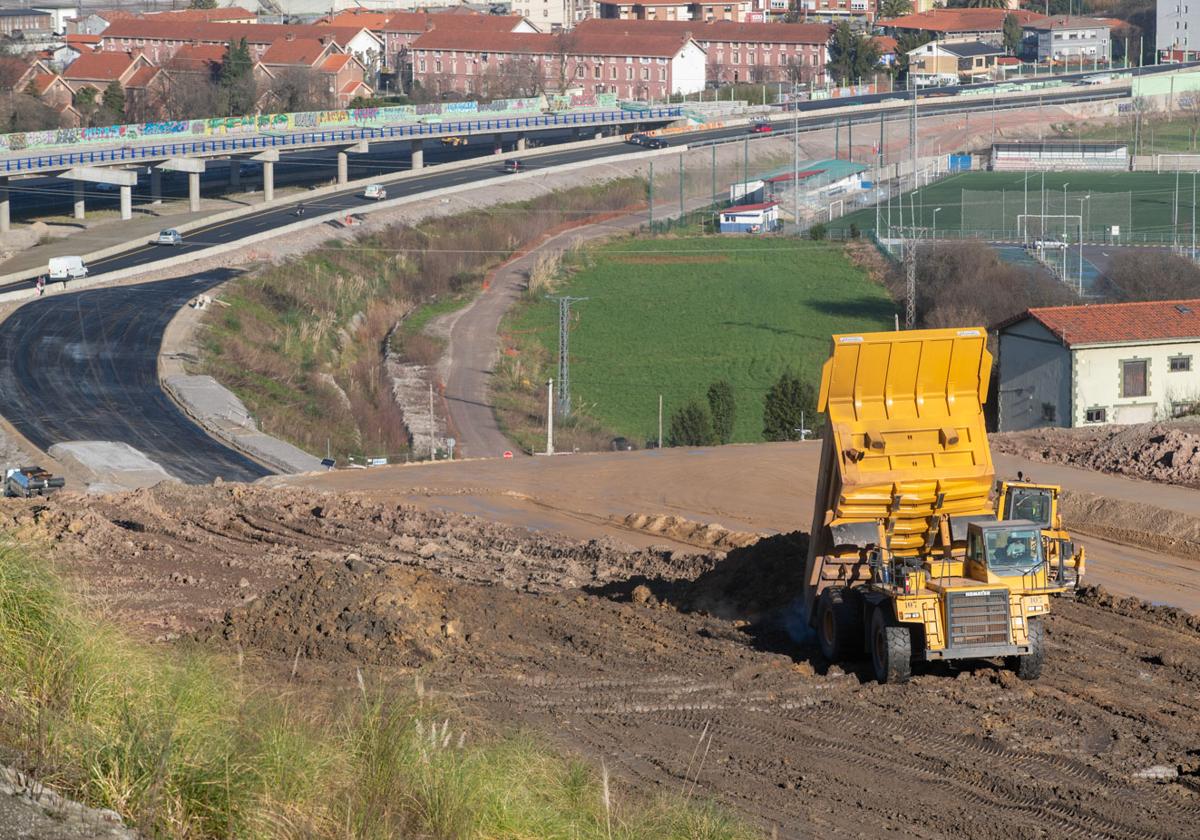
(906, 555)
(1026, 499)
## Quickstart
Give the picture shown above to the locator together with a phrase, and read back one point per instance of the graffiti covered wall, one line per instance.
(184, 130)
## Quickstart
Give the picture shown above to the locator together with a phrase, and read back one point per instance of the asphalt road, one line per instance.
(84, 366)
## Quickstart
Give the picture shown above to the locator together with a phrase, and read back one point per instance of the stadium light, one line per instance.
(935, 212)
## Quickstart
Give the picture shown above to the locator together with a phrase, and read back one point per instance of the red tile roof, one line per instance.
(1109, 323)
(721, 31)
(101, 66)
(334, 63)
(197, 58)
(142, 76)
(306, 51)
(746, 208)
(359, 17)
(886, 45)
(205, 15)
(1066, 22)
(42, 81)
(254, 33)
(77, 40)
(960, 20)
(582, 42)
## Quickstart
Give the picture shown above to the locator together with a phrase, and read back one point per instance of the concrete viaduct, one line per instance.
(116, 163)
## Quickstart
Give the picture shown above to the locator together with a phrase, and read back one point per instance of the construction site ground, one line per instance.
(687, 667)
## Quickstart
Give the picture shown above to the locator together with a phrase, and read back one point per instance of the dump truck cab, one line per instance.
(906, 555)
(1038, 503)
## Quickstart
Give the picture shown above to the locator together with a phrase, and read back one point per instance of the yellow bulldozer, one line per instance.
(906, 555)
(1026, 499)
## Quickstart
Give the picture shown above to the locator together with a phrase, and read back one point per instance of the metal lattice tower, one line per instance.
(910, 271)
(564, 353)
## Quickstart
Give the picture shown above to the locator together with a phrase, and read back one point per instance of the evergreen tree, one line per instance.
(852, 55)
(723, 408)
(691, 426)
(894, 8)
(788, 401)
(203, 4)
(237, 79)
(113, 101)
(1013, 34)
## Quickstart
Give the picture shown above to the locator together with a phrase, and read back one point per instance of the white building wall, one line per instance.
(687, 68)
(1178, 25)
(1097, 375)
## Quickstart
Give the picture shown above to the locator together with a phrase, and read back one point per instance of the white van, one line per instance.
(67, 268)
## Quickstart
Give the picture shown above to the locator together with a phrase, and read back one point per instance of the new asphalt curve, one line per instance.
(84, 366)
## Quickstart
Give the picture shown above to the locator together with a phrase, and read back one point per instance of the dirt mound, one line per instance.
(702, 534)
(1172, 617)
(1167, 452)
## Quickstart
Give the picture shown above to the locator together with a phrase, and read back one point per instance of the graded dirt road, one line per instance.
(764, 489)
(689, 674)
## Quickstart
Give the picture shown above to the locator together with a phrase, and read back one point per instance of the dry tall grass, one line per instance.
(292, 330)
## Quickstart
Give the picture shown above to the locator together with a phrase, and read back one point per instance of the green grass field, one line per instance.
(1155, 135)
(1151, 202)
(671, 315)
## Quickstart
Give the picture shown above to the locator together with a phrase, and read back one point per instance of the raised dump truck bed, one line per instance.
(904, 541)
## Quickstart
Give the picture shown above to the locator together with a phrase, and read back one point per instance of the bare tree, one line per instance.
(1189, 108)
(301, 89)
(564, 51)
(1151, 275)
(521, 76)
(716, 71)
(22, 112)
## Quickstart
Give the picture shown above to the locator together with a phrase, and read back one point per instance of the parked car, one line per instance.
(375, 191)
(761, 128)
(513, 165)
(66, 268)
(170, 236)
(621, 444)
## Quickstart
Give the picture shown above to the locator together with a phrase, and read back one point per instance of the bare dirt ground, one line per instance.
(1168, 451)
(687, 669)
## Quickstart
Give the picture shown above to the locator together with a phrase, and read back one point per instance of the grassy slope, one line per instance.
(184, 744)
(1151, 201)
(672, 315)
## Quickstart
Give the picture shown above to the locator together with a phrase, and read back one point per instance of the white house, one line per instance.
(1108, 363)
(751, 218)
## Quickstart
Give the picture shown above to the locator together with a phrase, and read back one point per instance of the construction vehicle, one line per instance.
(1025, 499)
(906, 555)
(27, 482)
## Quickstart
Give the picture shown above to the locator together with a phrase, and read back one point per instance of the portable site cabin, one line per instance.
(750, 218)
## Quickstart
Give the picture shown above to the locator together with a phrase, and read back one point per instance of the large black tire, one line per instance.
(1029, 666)
(839, 624)
(891, 647)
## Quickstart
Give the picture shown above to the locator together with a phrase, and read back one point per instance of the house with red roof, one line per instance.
(100, 69)
(342, 73)
(1072, 366)
(986, 25)
(402, 28)
(639, 64)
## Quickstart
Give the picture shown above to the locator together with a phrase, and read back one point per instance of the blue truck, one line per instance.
(27, 482)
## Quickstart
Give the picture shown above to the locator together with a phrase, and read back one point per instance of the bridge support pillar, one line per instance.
(521, 142)
(598, 134)
(193, 191)
(155, 185)
(126, 203)
(5, 216)
(268, 180)
(79, 199)
(498, 144)
(418, 154)
(235, 174)
(343, 167)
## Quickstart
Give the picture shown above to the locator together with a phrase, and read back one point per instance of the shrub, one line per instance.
(721, 404)
(818, 231)
(854, 231)
(789, 404)
(691, 426)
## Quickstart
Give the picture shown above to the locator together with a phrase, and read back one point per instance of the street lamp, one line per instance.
(1081, 201)
(935, 212)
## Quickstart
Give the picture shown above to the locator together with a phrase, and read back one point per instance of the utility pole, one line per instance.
(564, 352)
(550, 417)
(912, 132)
(681, 213)
(795, 159)
(432, 423)
(660, 421)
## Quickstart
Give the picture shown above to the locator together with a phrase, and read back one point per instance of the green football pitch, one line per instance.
(1147, 206)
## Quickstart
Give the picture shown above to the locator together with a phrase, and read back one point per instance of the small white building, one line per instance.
(751, 218)
(1073, 366)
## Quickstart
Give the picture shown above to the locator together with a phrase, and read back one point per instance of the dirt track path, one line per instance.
(767, 488)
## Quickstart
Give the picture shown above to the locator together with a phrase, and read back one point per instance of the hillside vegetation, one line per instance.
(302, 343)
(672, 315)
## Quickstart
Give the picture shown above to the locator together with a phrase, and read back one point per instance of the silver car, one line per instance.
(169, 237)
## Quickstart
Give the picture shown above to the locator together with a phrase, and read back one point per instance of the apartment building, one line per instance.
(638, 66)
(1177, 35)
(1068, 39)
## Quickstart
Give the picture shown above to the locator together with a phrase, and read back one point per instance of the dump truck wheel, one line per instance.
(839, 625)
(1029, 666)
(891, 647)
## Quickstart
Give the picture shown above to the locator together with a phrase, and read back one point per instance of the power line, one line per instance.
(564, 352)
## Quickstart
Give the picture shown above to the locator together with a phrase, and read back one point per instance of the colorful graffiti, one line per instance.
(352, 118)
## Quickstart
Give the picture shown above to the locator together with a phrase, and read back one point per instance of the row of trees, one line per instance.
(789, 404)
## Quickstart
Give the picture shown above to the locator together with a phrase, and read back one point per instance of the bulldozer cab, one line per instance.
(1004, 550)
(1038, 503)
